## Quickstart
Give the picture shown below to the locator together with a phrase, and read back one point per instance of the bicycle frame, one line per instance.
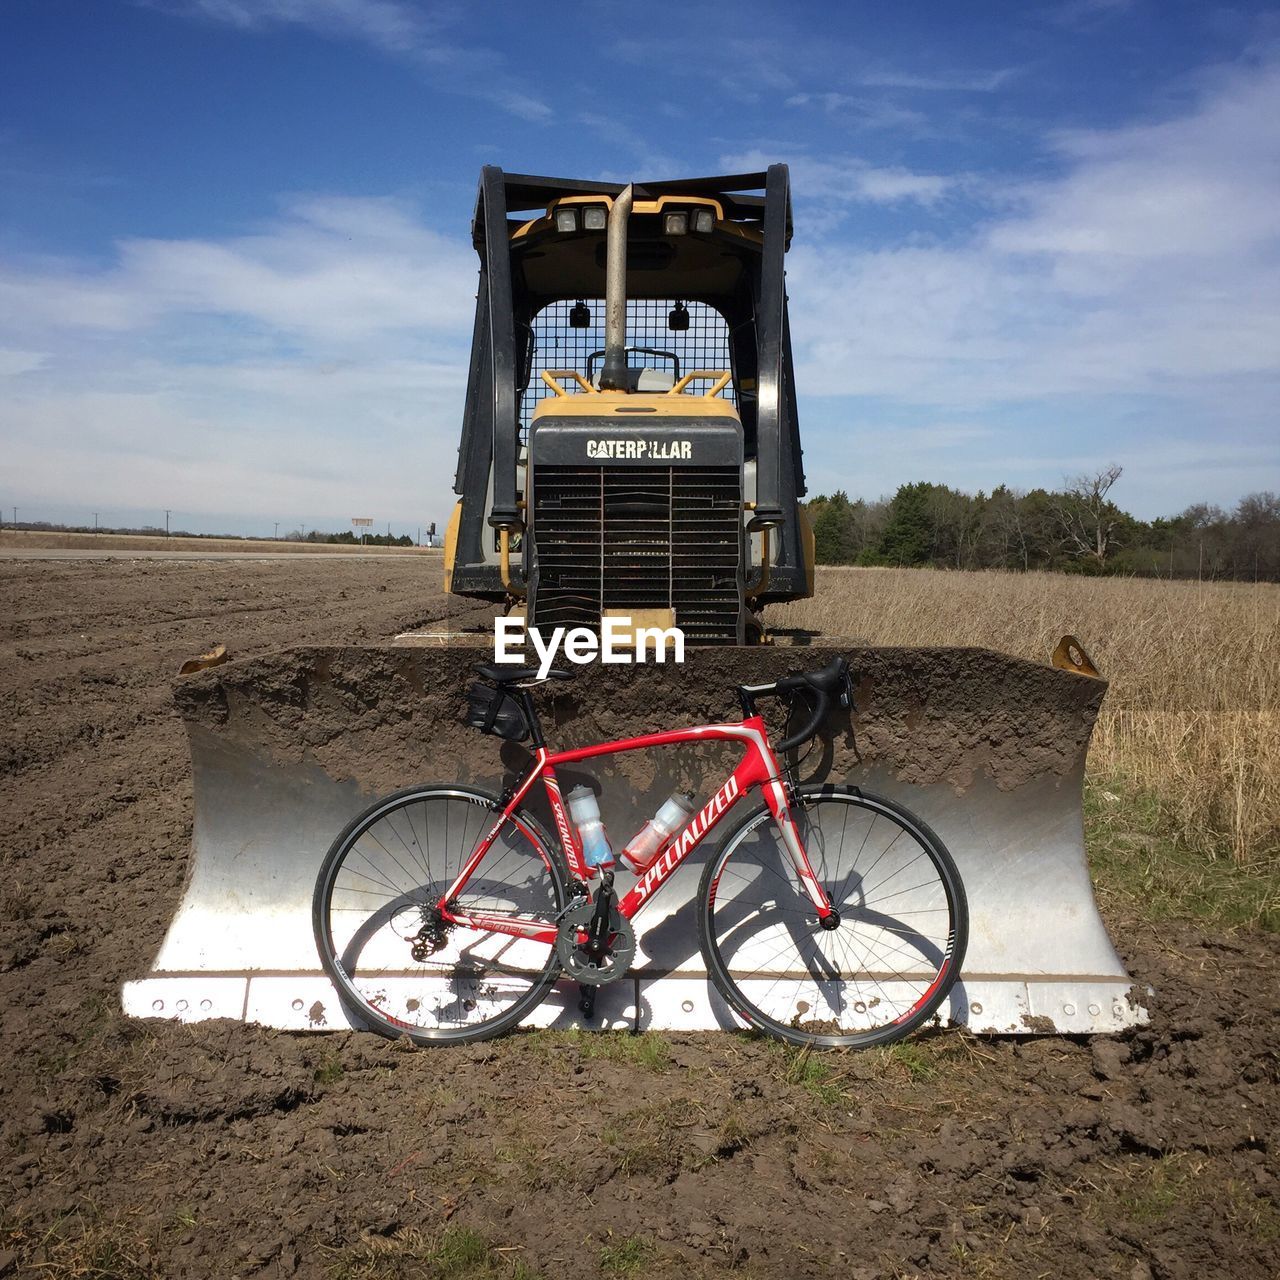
(757, 768)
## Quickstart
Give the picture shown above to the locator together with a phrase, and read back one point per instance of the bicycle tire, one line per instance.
(746, 907)
(383, 867)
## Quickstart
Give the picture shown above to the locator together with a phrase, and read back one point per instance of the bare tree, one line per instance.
(1009, 528)
(1087, 519)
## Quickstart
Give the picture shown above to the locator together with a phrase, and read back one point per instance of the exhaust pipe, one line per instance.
(613, 374)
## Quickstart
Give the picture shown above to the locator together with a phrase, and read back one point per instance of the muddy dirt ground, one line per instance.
(152, 1149)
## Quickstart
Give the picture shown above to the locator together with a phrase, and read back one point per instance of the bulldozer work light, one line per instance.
(594, 217)
(675, 224)
(566, 220)
(678, 318)
(704, 221)
(580, 314)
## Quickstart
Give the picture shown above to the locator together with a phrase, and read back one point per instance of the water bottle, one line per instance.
(643, 847)
(584, 809)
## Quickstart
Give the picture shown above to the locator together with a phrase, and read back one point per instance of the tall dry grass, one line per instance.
(1193, 712)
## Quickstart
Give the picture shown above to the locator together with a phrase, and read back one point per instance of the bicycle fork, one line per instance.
(776, 797)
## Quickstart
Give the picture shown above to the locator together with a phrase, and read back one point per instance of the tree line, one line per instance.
(1078, 528)
(345, 538)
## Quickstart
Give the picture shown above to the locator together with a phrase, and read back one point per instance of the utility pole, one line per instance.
(167, 513)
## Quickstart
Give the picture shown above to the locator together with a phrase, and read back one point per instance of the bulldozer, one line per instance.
(630, 448)
(630, 442)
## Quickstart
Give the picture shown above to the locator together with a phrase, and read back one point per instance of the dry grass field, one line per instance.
(1191, 723)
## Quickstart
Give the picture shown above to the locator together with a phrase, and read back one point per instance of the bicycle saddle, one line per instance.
(507, 675)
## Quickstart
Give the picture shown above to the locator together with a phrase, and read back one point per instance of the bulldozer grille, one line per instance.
(639, 538)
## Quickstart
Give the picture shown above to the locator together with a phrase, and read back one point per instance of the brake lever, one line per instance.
(846, 691)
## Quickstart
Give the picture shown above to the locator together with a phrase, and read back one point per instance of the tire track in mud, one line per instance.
(108, 672)
(94, 775)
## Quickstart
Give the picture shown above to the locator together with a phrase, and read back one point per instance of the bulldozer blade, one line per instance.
(988, 750)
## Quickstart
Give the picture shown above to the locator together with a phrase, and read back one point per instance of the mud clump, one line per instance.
(225, 1149)
(924, 715)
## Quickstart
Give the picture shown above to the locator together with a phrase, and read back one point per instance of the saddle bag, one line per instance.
(495, 711)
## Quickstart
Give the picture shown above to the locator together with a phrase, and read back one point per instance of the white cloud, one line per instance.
(972, 82)
(1087, 13)
(1203, 186)
(316, 363)
(14, 362)
(418, 34)
(289, 448)
(331, 268)
(1134, 299)
(314, 366)
(862, 111)
(832, 185)
(888, 186)
(1151, 265)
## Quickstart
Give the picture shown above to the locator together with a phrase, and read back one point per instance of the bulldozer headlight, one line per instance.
(594, 217)
(580, 314)
(675, 224)
(678, 318)
(566, 220)
(704, 221)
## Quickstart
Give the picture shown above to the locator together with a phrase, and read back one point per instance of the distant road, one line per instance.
(54, 544)
(46, 544)
(44, 553)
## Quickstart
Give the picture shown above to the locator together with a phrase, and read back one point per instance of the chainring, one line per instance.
(577, 964)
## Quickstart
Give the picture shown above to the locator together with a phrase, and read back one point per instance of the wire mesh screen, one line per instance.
(557, 345)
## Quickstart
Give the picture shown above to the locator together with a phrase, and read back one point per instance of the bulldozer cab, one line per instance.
(630, 443)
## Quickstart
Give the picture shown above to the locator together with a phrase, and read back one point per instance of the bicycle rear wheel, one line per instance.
(888, 964)
(375, 898)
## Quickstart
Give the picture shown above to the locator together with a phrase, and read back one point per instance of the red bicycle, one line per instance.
(827, 916)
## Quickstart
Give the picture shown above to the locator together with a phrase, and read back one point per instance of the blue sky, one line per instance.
(236, 278)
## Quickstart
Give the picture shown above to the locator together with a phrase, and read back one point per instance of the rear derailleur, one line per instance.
(595, 943)
(432, 937)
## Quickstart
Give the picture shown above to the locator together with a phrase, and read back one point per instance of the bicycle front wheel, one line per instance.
(887, 965)
(395, 963)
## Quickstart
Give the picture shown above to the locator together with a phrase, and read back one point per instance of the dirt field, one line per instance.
(219, 1149)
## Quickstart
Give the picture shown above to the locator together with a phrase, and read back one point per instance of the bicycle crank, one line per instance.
(577, 958)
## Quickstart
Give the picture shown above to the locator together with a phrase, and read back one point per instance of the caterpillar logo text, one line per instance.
(632, 450)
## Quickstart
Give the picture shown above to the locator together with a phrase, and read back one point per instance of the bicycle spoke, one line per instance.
(873, 970)
(383, 885)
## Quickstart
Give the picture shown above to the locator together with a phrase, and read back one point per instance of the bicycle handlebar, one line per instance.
(831, 680)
